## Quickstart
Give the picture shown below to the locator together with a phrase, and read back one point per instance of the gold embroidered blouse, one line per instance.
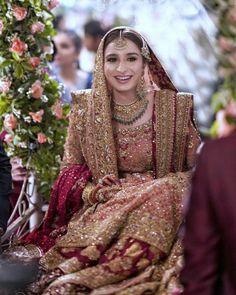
(134, 148)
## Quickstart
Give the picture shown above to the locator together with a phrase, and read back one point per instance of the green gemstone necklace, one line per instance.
(129, 113)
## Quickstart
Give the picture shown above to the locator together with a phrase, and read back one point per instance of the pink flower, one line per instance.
(57, 110)
(18, 46)
(10, 121)
(19, 12)
(225, 128)
(225, 44)
(41, 138)
(36, 89)
(37, 117)
(53, 3)
(37, 27)
(5, 86)
(34, 61)
(232, 15)
(8, 138)
(231, 109)
(1, 26)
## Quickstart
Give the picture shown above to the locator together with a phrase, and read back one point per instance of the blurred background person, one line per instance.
(5, 189)
(93, 33)
(65, 66)
(210, 237)
(59, 22)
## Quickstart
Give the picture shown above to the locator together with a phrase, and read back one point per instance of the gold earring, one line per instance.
(141, 88)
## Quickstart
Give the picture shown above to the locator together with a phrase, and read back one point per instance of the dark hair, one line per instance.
(77, 41)
(94, 28)
(56, 21)
(126, 34)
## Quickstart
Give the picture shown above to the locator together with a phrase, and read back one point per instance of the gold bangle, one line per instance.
(90, 201)
(87, 192)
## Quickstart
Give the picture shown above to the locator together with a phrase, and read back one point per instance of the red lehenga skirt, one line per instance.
(126, 245)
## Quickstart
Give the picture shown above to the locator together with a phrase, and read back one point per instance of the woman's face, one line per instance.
(66, 51)
(123, 67)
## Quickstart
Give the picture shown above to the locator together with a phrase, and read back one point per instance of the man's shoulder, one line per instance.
(221, 143)
(221, 149)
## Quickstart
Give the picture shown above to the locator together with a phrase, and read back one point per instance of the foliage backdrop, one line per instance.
(32, 118)
(224, 100)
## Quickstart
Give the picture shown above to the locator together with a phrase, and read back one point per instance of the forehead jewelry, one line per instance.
(121, 42)
(145, 51)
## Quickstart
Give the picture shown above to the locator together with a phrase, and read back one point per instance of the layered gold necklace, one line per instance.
(129, 113)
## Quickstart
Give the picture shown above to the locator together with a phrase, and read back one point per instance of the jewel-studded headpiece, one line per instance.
(122, 43)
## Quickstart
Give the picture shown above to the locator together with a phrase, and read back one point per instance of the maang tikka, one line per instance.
(121, 42)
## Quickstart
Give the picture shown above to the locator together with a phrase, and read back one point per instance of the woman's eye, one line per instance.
(111, 59)
(65, 46)
(132, 58)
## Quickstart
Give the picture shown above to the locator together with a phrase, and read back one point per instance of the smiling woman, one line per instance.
(127, 165)
(124, 67)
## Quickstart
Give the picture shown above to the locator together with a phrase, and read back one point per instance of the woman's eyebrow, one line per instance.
(114, 54)
(111, 55)
(132, 53)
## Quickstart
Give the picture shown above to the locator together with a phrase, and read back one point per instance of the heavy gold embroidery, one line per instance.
(70, 265)
(80, 104)
(184, 108)
(100, 137)
(184, 102)
(164, 129)
(52, 259)
(134, 148)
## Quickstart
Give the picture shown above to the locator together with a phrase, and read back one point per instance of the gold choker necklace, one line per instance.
(129, 113)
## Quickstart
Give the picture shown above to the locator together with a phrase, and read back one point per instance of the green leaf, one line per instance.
(4, 104)
(216, 102)
(27, 66)
(19, 71)
(16, 56)
(214, 129)
(5, 63)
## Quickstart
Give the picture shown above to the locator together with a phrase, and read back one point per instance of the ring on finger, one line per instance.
(100, 181)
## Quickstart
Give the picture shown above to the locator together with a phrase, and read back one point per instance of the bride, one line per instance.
(116, 207)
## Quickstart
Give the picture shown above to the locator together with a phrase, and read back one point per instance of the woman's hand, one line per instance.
(107, 180)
